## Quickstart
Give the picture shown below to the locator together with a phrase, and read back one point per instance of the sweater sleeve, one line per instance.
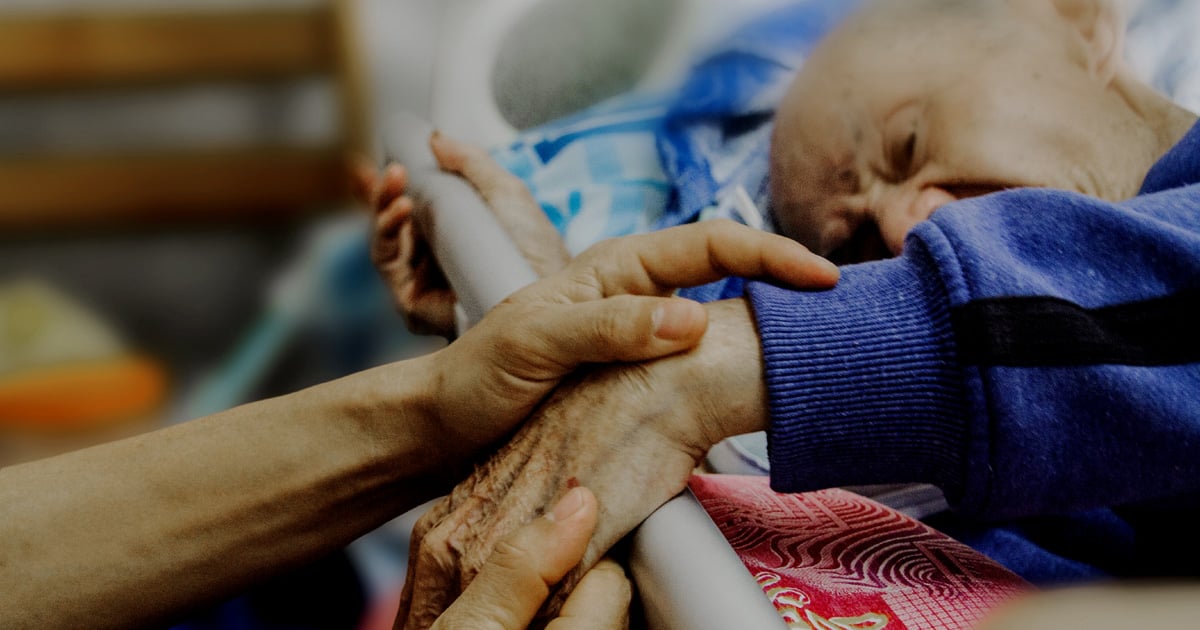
(1032, 352)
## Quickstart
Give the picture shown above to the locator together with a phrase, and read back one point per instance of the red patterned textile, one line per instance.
(835, 560)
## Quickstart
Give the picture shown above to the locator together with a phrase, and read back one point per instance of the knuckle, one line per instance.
(605, 248)
(607, 326)
(615, 582)
(512, 557)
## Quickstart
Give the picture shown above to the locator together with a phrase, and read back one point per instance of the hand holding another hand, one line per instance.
(631, 432)
(611, 304)
(519, 576)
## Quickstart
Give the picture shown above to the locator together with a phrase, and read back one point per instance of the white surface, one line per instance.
(472, 32)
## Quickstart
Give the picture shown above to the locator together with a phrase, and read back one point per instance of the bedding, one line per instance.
(650, 161)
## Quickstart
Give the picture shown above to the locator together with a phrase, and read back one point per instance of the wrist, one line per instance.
(726, 373)
(388, 412)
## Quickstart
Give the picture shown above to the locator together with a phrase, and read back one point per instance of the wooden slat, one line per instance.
(70, 51)
(351, 75)
(234, 186)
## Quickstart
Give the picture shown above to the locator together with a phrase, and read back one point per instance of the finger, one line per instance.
(389, 186)
(387, 241)
(621, 328)
(363, 173)
(599, 602)
(477, 167)
(518, 577)
(433, 578)
(388, 221)
(427, 301)
(424, 525)
(430, 313)
(684, 256)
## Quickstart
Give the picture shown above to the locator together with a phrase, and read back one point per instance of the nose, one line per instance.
(899, 210)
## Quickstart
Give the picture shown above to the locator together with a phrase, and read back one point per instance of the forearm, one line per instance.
(864, 384)
(998, 359)
(132, 532)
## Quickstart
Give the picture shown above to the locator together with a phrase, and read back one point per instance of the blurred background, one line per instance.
(176, 234)
(173, 205)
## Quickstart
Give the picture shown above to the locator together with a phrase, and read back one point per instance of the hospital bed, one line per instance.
(491, 79)
(686, 573)
(508, 65)
(498, 71)
(487, 85)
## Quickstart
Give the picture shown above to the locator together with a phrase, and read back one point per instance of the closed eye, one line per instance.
(902, 141)
(902, 155)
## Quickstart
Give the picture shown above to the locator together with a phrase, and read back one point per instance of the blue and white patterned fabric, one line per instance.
(641, 162)
(596, 174)
(716, 136)
(715, 140)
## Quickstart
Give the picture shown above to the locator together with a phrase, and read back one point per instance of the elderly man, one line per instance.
(1032, 352)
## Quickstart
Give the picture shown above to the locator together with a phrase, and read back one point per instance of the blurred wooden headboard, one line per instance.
(76, 53)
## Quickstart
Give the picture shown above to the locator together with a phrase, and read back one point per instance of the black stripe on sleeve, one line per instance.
(1046, 331)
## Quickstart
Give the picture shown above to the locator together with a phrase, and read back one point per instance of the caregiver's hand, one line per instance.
(609, 305)
(403, 257)
(632, 433)
(528, 563)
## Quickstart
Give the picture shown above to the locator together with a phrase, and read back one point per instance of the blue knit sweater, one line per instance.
(1035, 353)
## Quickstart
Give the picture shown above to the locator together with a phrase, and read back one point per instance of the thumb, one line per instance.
(517, 578)
(619, 328)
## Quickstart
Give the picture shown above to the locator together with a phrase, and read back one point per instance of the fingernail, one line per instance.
(567, 506)
(830, 267)
(676, 319)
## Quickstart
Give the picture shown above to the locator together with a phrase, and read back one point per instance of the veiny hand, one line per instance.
(401, 254)
(528, 563)
(632, 433)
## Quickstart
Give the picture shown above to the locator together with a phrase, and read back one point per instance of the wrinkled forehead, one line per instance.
(902, 40)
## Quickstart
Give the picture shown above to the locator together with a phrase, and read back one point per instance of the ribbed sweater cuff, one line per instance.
(864, 386)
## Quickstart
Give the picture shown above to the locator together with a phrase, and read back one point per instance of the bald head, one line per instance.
(912, 104)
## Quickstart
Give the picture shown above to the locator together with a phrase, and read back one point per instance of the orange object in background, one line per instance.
(83, 394)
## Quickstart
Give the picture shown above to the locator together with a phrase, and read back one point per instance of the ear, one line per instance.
(1100, 27)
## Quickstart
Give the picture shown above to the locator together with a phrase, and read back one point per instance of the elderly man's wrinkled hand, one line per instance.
(631, 433)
